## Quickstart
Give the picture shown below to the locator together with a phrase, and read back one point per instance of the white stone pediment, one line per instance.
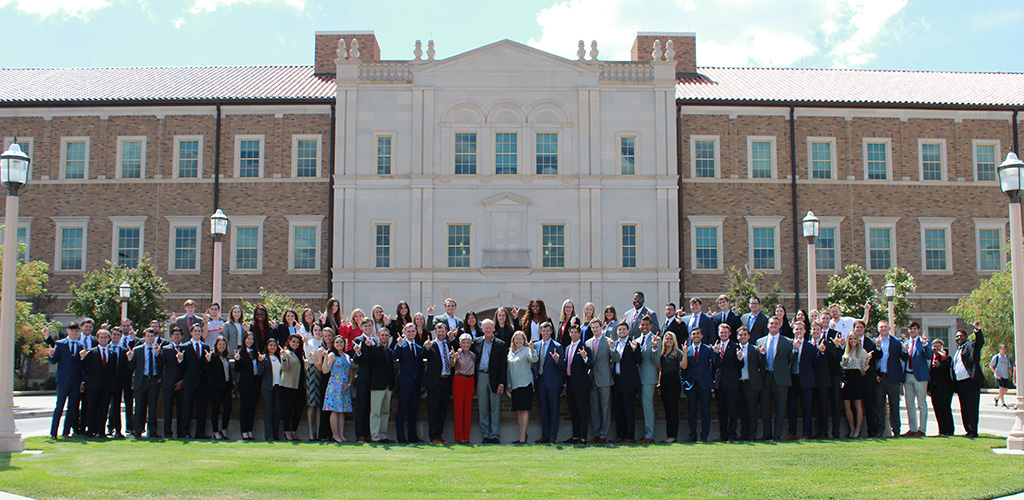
(506, 200)
(505, 58)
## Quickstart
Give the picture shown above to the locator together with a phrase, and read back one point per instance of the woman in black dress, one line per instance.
(670, 383)
(854, 365)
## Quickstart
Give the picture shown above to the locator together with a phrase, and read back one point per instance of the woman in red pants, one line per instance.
(463, 386)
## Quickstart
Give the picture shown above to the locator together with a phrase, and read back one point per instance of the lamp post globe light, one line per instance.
(1010, 173)
(14, 173)
(890, 293)
(125, 290)
(218, 228)
(811, 228)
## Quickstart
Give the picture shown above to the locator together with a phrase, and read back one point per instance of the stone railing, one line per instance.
(627, 71)
(385, 71)
(506, 259)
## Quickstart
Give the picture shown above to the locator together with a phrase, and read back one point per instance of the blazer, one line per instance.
(894, 363)
(69, 371)
(247, 373)
(602, 370)
(520, 367)
(701, 366)
(382, 360)
(759, 327)
(505, 332)
(580, 378)
(215, 378)
(784, 355)
(675, 325)
(634, 326)
(823, 368)
(265, 371)
(808, 360)
(137, 365)
(410, 364)
(364, 370)
(497, 364)
(730, 318)
(443, 318)
(729, 366)
(193, 366)
(291, 369)
(182, 323)
(756, 365)
(433, 366)
(169, 366)
(99, 375)
(554, 371)
(651, 360)
(941, 375)
(706, 325)
(124, 372)
(281, 333)
(233, 335)
(629, 372)
(562, 335)
(918, 363)
(970, 354)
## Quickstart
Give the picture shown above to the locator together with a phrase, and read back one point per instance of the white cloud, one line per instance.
(201, 6)
(179, 22)
(729, 32)
(46, 8)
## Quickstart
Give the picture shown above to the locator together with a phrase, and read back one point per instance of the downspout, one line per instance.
(216, 163)
(1015, 133)
(796, 220)
(679, 202)
(330, 205)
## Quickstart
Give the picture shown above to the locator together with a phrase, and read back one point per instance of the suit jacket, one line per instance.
(629, 371)
(69, 370)
(247, 373)
(970, 354)
(756, 365)
(759, 328)
(823, 369)
(169, 366)
(137, 365)
(193, 366)
(182, 323)
(215, 378)
(706, 325)
(918, 363)
(383, 368)
(233, 335)
(99, 374)
(730, 318)
(434, 366)
(941, 375)
(784, 355)
(602, 370)
(808, 360)
(651, 360)
(894, 363)
(675, 325)
(364, 370)
(410, 364)
(124, 373)
(497, 365)
(554, 371)
(443, 318)
(701, 366)
(729, 367)
(580, 368)
(634, 326)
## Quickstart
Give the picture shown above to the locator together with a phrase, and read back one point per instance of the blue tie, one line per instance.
(750, 325)
(771, 354)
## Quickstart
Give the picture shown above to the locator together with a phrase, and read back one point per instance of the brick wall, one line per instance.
(685, 45)
(326, 49)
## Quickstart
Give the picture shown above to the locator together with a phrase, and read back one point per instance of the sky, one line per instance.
(928, 35)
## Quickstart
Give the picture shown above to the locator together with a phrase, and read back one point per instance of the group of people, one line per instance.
(799, 377)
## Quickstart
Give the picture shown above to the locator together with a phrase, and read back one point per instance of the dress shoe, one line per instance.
(628, 441)
(202, 436)
(53, 436)
(718, 440)
(542, 441)
(919, 434)
(788, 437)
(360, 439)
(822, 437)
(909, 434)
(690, 440)
(703, 439)
(646, 441)
(569, 441)
(437, 441)
(599, 441)
(386, 441)
(805, 437)
(415, 440)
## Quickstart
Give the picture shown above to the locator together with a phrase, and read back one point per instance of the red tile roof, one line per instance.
(163, 84)
(917, 88)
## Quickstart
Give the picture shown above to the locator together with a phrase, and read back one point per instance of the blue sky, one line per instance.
(940, 35)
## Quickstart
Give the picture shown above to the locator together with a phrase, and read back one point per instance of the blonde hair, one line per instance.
(675, 345)
(561, 314)
(518, 333)
(592, 306)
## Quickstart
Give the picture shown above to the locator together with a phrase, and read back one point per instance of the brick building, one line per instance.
(666, 174)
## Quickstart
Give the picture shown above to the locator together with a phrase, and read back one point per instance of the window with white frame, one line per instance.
(382, 245)
(74, 158)
(188, 156)
(940, 326)
(24, 236)
(304, 243)
(822, 157)
(72, 244)
(465, 153)
(877, 160)
(25, 143)
(306, 156)
(763, 240)
(935, 244)
(627, 154)
(932, 159)
(629, 245)
(989, 235)
(547, 153)
(247, 243)
(249, 156)
(704, 156)
(880, 240)
(761, 157)
(986, 159)
(552, 246)
(706, 243)
(384, 154)
(458, 245)
(131, 157)
(128, 233)
(506, 153)
(185, 238)
(827, 245)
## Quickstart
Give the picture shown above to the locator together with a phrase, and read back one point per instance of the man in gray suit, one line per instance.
(648, 376)
(634, 315)
(603, 378)
(779, 353)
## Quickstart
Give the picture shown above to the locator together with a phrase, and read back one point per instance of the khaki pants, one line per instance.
(380, 411)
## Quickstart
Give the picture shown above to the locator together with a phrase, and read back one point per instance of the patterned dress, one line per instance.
(334, 399)
(314, 378)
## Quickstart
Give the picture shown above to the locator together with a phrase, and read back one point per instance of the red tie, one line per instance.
(104, 356)
(912, 342)
(198, 350)
(569, 370)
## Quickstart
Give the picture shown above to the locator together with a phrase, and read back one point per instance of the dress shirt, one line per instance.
(796, 366)
(883, 364)
(770, 351)
(744, 373)
(569, 355)
(534, 331)
(275, 369)
(958, 366)
(619, 346)
(485, 354)
(695, 320)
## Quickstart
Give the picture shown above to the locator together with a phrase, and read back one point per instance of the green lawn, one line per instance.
(875, 468)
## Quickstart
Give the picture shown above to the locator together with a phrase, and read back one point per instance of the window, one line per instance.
(304, 243)
(880, 240)
(458, 245)
(249, 156)
(763, 235)
(629, 245)
(989, 234)
(247, 248)
(131, 157)
(939, 332)
(932, 155)
(25, 143)
(935, 244)
(72, 243)
(820, 152)
(188, 158)
(382, 245)
(506, 153)
(825, 248)
(761, 152)
(552, 246)
(24, 229)
(706, 243)
(128, 239)
(75, 158)
(876, 159)
(383, 155)
(547, 153)
(306, 156)
(183, 252)
(986, 159)
(465, 153)
(704, 156)
(627, 154)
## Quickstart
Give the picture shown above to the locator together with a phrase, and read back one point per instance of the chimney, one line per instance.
(327, 49)
(685, 45)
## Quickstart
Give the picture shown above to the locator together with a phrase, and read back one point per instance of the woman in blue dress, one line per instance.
(338, 398)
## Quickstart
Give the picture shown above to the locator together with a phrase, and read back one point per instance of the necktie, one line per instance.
(693, 321)
(189, 324)
(543, 354)
(771, 353)
(199, 351)
(103, 353)
(636, 318)
(444, 356)
(150, 354)
(912, 342)
(723, 351)
(568, 370)
(750, 322)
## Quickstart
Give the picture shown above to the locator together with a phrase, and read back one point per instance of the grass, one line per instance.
(874, 468)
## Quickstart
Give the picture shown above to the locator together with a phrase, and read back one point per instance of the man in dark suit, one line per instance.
(409, 356)
(779, 354)
(673, 321)
(822, 399)
(449, 319)
(801, 393)
(892, 374)
(941, 387)
(169, 364)
(64, 354)
(577, 384)
(698, 381)
(88, 341)
(380, 356)
(437, 379)
(751, 383)
(142, 362)
(491, 376)
(627, 384)
(726, 315)
(549, 374)
(727, 382)
(193, 385)
(965, 369)
(755, 321)
(122, 387)
(361, 384)
(697, 319)
(99, 366)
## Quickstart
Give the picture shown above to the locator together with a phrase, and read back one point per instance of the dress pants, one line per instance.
(647, 403)
(99, 406)
(247, 395)
(193, 400)
(82, 419)
(219, 400)
(488, 407)
(172, 401)
(380, 413)
(916, 399)
(697, 398)
(579, 411)
(438, 399)
(624, 401)
(836, 405)
(462, 400)
(670, 393)
(271, 413)
(773, 408)
(969, 395)
(361, 408)
(114, 414)
(799, 398)
(822, 402)
(891, 391)
(942, 400)
(601, 410)
(728, 404)
(408, 406)
(292, 402)
(66, 395)
(549, 403)
(324, 432)
(145, 407)
(748, 399)
(871, 388)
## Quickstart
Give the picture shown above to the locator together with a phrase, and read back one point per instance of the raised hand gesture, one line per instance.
(428, 344)
(430, 308)
(554, 355)
(401, 340)
(739, 352)
(717, 347)
(611, 343)
(530, 344)
(82, 353)
(867, 306)
(582, 352)
(130, 353)
(180, 355)
(46, 331)
(633, 344)
(358, 347)
(654, 342)
(237, 355)
(453, 333)
(261, 356)
(174, 318)
(976, 325)
(762, 349)
(821, 346)
(515, 312)
(208, 353)
(105, 326)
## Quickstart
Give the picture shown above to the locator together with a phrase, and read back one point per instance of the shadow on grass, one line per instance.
(5, 462)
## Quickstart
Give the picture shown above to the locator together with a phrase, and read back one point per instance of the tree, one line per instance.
(28, 323)
(97, 295)
(991, 304)
(275, 303)
(901, 305)
(852, 291)
(743, 286)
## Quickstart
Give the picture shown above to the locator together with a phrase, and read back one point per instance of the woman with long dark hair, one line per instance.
(270, 370)
(246, 364)
(609, 321)
(786, 330)
(260, 328)
(289, 325)
(505, 323)
(536, 314)
(470, 325)
(402, 317)
(332, 317)
(422, 324)
(306, 324)
(218, 387)
(287, 394)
